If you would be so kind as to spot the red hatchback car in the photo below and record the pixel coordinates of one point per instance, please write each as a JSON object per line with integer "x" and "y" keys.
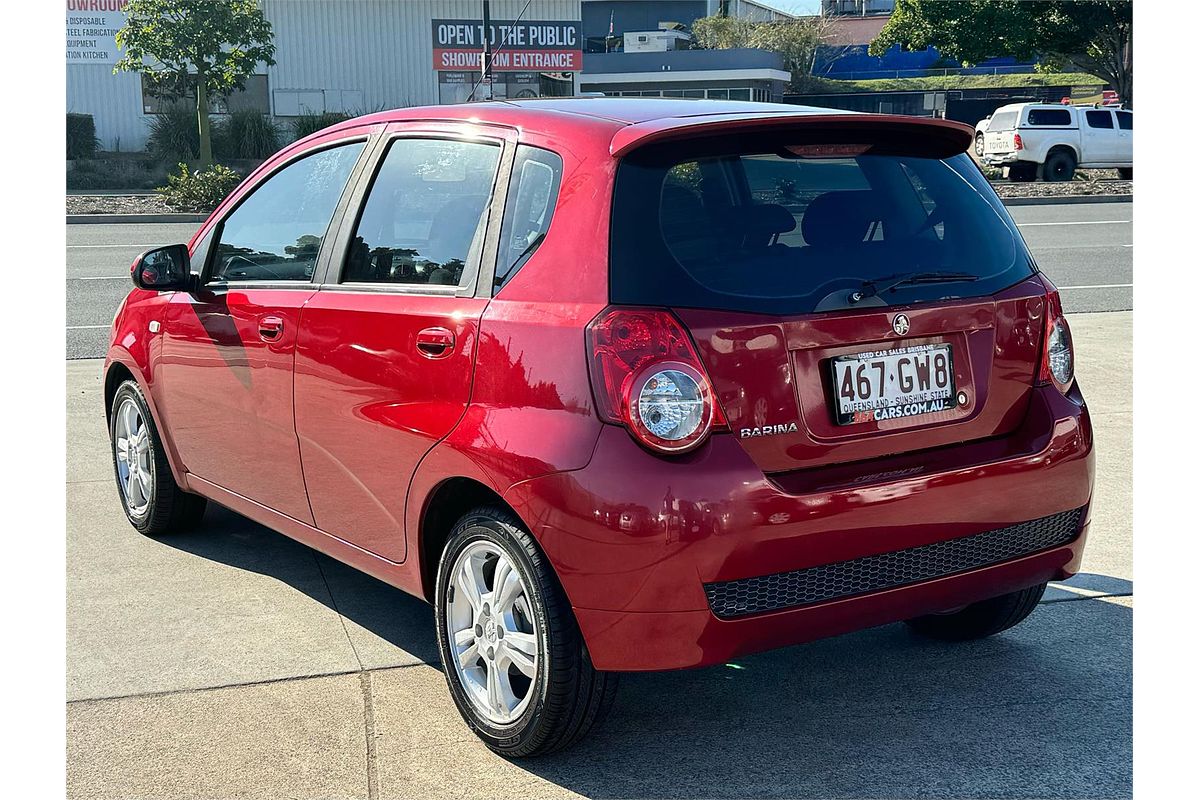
{"x": 618, "y": 385}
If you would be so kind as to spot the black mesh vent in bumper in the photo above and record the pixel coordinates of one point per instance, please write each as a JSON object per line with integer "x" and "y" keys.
{"x": 888, "y": 570}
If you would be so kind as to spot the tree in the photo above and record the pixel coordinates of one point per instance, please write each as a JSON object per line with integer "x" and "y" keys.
{"x": 796, "y": 40}
{"x": 1092, "y": 35}
{"x": 200, "y": 48}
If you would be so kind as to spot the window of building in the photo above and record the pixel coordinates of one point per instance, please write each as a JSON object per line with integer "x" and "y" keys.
{"x": 718, "y": 94}
{"x": 424, "y": 217}
{"x": 276, "y": 233}
{"x": 254, "y": 97}
{"x": 739, "y": 94}
{"x": 1125, "y": 120}
{"x": 1049, "y": 117}
{"x": 1099, "y": 118}
{"x": 532, "y": 195}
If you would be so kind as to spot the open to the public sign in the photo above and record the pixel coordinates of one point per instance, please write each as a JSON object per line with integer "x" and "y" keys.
{"x": 890, "y": 384}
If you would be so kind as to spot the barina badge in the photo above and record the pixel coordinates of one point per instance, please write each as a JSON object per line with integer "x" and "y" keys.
{"x": 900, "y": 324}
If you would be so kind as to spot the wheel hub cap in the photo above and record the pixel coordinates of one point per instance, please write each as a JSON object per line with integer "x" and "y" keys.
{"x": 489, "y": 623}
{"x": 131, "y": 445}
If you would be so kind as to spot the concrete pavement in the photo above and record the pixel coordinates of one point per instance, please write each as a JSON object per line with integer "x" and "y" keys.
{"x": 234, "y": 662}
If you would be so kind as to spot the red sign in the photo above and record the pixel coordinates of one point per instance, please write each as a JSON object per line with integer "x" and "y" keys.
{"x": 524, "y": 46}
{"x": 511, "y": 60}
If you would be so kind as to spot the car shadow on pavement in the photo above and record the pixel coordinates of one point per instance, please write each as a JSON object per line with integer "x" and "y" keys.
{"x": 396, "y": 617}
{"x": 1042, "y": 710}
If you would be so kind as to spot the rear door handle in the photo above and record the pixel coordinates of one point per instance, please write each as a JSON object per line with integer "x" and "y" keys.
{"x": 435, "y": 342}
{"x": 270, "y": 328}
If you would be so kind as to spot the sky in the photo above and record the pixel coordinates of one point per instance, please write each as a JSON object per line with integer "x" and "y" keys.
{"x": 798, "y": 7}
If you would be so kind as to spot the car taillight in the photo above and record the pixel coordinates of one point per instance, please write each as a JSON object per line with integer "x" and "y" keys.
{"x": 1017, "y": 143}
{"x": 647, "y": 376}
{"x": 1058, "y": 354}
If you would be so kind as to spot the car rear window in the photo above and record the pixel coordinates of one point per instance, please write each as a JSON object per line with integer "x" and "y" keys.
{"x": 1003, "y": 121}
{"x": 1049, "y": 117}
{"x": 770, "y": 232}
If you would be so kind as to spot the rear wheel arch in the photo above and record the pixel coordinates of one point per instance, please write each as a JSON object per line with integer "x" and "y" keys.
{"x": 444, "y": 507}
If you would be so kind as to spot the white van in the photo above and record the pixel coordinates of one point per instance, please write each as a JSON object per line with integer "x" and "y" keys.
{"x": 1055, "y": 140}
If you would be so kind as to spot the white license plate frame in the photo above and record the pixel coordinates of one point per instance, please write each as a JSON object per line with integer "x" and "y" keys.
{"x": 892, "y": 402}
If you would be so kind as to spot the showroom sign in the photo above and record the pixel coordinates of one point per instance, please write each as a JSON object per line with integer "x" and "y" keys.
{"x": 92, "y": 27}
{"x": 536, "y": 45}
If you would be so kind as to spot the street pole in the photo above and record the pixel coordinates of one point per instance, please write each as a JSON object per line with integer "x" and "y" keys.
{"x": 486, "y": 65}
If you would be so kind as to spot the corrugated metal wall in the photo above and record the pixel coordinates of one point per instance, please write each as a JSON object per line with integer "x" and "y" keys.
{"x": 373, "y": 53}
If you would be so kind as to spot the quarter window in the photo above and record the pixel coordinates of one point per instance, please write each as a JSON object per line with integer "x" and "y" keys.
{"x": 424, "y": 218}
{"x": 532, "y": 195}
{"x": 276, "y": 233}
{"x": 1099, "y": 119}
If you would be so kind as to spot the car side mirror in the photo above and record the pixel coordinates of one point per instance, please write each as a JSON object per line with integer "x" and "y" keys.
{"x": 164, "y": 269}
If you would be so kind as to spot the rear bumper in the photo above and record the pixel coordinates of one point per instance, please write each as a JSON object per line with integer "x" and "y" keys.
{"x": 1005, "y": 159}
{"x": 635, "y": 538}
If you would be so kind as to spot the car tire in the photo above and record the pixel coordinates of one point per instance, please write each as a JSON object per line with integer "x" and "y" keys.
{"x": 1059, "y": 166}
{"x": 1022, "y": 172}
{"x": 566, "y": 696}
{"x": 153, "y": 502}
{"x": 979, "y": 145}
{"x": 981, "y": 619}
{"x": 1126, "y": 173}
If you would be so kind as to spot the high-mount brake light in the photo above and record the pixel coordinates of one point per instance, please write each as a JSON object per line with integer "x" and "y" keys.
{"x": 1058, "y": 351}
{"x": 647, "y": 376}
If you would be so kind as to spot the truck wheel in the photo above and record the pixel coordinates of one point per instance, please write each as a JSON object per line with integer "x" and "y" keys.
{"x": 980, "y": 619}
{"x": 512, "y": 653}
{"x": 1059, "y": 166}
{"x": 1126, "y": 173}
{"x": 1022, "y": 172}
{"x": 979, "y": 145}
{"x": 153, "y": 502}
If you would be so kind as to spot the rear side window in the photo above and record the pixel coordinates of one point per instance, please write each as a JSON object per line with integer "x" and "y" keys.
{"x": 1051, "y": 117}
{"x": 1099, "y": 119}
{"x": 1003, "y": 121}
{"x": 1125, "y": 120}
{"x": 424, "y": 217}
{"x": 773, "y": 233}
{"x": 532, "y": 195}
{"x": 276, "y": 233}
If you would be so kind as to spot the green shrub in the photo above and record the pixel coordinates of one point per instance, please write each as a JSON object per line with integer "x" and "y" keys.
{"x": 200, "y": 191}
{"x": 246, "y": 134}
{"x": 81, "y": 136}
{"x": 114, "y": 174}
{"x": 174, "y": 134}
{"x": 311, "y": 123}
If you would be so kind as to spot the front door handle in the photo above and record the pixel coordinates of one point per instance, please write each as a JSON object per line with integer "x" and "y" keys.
{"x": 270, "y": 328}
{"x": 435, "y": 342}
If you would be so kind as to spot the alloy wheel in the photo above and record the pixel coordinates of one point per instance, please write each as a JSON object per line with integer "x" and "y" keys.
{"x": 490, "y": 628}
{"x": 131, "y": 444}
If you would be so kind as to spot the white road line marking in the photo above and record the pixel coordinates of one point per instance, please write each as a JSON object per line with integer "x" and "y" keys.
{"x": 1082, "y": 222}
{"x": 86, "y": 327}
{"x": 126, "y": 246}
{"x": 100, "y": 278}
{"x": 1101, "y": 286}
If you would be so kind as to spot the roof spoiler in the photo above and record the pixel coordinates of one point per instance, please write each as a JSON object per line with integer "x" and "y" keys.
{"x": 938, "y": 138}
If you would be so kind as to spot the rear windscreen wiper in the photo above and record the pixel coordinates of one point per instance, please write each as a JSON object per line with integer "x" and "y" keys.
{"x": 878, "y": 286}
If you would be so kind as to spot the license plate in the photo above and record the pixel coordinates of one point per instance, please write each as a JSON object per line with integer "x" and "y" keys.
{"x": 888, "y": 384}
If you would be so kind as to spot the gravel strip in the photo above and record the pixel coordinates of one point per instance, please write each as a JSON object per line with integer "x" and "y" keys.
{"x": 152, "y": 204}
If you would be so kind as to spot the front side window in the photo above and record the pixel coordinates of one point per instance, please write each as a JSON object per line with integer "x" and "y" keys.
{"x": 1125, "y": 120}
{"x": 276, "y": 233}
{"x": 532, "y": 194}
{"x": 425, "y": 215}
{"x": 1099, "y": 119}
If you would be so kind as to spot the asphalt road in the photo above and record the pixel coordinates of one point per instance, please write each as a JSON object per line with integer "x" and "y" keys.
{"x": 234, "y": 662}
{"x": 1086, "y": 249}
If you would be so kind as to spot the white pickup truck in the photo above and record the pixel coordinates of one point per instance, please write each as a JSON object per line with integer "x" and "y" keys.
{"x": 1054, "y": 140}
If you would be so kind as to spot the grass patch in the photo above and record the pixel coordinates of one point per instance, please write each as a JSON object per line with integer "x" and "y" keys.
{"x": 814, "y": 85}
